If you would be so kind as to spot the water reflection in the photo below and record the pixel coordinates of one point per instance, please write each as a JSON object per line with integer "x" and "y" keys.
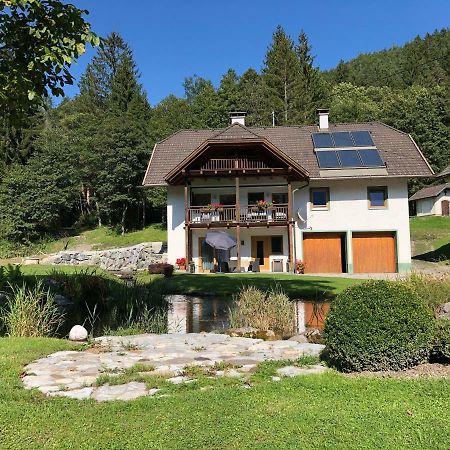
{"x": 193, "y": 314}
{"x": 189, "y": 314}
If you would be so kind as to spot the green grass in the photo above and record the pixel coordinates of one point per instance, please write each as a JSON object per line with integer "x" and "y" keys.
{"x": 324, "y": 411}
{"x": 295, "y": 286}
{"x": 98, "y": 239}
{"x": 223, "y": 285}
{"x": 431, "y": 238}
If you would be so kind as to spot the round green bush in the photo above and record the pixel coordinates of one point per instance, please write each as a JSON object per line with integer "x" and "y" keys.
{"x": 378, "y": 325}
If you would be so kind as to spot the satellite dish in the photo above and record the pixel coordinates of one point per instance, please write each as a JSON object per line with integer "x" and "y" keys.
{"x": 300, "y": 216}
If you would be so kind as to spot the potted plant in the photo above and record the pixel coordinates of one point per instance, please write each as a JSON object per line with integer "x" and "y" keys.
{"x": 263, "y": 205}
{"x": 299, "y": 266}
{"x": 181, "y": 263}
{"x": 213, "y": 207}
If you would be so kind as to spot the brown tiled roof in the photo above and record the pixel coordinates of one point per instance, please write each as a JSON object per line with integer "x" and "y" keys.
{"x": 431, "y": 191}
{"x": 403, "y": 158}
{"x": 444, "y": 173}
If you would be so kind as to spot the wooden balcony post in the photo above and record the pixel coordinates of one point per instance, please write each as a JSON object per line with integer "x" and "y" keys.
{"x": 238, "y": 228}
{"x": 290, "y": 228}
{"x": 186, "y": 222}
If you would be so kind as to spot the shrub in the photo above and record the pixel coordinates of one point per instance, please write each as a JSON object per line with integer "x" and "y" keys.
{"x": 378, "y": 325}
{"x": 31, "y": 312}
{"x": 161, "y": 268}
{"x": 271, "y": 310}
{"x": 441, "y": 341}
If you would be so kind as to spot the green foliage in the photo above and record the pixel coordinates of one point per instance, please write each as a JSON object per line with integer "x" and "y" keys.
{"x": 40, "y": 41}
{"x": 10, "y": 276}
{"x": 271, "y": 310}
{"x": 30, "y": 312}
{"x": 378, "y": 325}
{"x": 433, "y": 290}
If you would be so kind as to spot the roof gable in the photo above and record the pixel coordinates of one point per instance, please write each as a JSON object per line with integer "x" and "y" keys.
{"x": 235, "y": 131}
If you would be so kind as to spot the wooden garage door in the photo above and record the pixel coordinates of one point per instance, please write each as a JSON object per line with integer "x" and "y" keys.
{"x": 374, "y": 252}
{"x": 322, "y": 252}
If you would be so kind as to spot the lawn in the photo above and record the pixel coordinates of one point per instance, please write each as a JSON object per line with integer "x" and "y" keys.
{"x": 222, "y": 285}
{"x": 315, "y": 411}
{"x": 431, "y": 238}
{"x": 296, "y": 286}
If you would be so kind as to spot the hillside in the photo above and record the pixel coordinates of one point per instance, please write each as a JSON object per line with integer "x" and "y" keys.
{"x": 423, "y": 61}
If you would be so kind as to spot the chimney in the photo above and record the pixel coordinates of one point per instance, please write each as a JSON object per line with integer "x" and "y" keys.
{"x": 323, "y": 119}
{"x": 238, "y": 117}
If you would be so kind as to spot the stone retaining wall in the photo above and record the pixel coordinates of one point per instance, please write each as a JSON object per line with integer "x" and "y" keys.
{"x": 137, "y": 257}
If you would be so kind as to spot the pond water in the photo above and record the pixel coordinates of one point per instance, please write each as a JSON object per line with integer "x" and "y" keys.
{"x": 194, "y": 314}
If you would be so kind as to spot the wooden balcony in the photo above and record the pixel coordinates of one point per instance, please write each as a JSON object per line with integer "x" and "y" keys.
{"x": 249, "y": 214}
{"x": 218, "y": 164}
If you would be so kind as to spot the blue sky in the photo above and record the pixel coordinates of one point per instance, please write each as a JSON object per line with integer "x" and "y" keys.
{"x": 173, "y": 39}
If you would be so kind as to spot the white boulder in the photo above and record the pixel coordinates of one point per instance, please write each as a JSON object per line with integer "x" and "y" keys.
{"x": 78, "y": 333}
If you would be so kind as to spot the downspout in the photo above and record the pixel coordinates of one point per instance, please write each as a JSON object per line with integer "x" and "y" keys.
{"x": 293, "y": 201}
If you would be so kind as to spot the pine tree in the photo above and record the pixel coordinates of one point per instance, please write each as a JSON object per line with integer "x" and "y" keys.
{"x": 280, "y": 75}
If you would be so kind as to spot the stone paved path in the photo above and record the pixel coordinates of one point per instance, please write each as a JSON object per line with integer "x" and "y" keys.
{"x": 73, "y": 374}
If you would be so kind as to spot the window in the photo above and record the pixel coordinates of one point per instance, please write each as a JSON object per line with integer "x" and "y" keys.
{"x": 320, "y": 198}
{"x": 254, "y": 197}
{"x": 377, "y": 197}
{"x": 227, "y": 199}
{"x": 277, "y": 245}
{"x": 280, "y": 198}
{"x": 198, "y": 199}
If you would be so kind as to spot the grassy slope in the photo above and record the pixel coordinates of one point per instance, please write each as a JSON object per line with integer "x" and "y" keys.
{"x": 329, "y": 411}
{"x": 431, "y": 235}
{"x": 97, "y": 239}
{"x": 103, "y": 238}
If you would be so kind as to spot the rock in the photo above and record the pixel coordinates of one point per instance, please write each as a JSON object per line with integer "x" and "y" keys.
{"x": 443, "y": 311}
{"x": 60, "y": 300}
{"x": 242, "y": 332}
{"x": 314, "y": 336}
{"x": 276, "y": 378}
{"x": 293, "y": 371}
{"x": 301, "y": 338}
{"x": 78, "y": 333}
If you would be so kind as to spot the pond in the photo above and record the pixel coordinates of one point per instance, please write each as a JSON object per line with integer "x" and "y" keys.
{"x": 194, "y": 314}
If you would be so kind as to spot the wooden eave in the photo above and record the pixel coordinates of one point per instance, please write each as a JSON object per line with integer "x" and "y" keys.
{"x": 178, "y": 174}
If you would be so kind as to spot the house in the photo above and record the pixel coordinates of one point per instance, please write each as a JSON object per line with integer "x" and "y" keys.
{"x": 333, "y": 196}
{"x": 432, "y": 200}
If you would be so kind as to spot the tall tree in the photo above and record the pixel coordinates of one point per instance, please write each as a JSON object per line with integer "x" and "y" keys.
{"x": 280, "y": 75}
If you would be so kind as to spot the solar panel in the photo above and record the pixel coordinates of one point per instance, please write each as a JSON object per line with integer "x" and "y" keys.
{"x": 362, "y": 139}
{"x": 322, "y": 140}
{"x": 328, "y": 160}
{"x": 342, "y": 139}
{"x": 349, "y": 158}
{"x": 371, "y": 158}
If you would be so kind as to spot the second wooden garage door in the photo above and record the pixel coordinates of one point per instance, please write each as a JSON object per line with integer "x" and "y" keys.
{"x": 374, "y": 253}
{"x": 322, "y": 252}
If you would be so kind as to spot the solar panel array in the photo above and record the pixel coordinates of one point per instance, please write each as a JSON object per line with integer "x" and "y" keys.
{"x": 346, "y": 149}
{"x": 343, "y": 139}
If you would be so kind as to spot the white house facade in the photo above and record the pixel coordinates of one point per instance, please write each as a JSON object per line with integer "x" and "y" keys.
{"x": 325, "y": 199}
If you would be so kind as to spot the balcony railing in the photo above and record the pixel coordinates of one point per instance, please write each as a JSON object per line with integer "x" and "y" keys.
{"x": 229, "y": 164}
{"x": 248, "y": 214}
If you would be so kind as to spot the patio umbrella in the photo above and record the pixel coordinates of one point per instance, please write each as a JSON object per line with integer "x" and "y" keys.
{"x": 220, "y": 240}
